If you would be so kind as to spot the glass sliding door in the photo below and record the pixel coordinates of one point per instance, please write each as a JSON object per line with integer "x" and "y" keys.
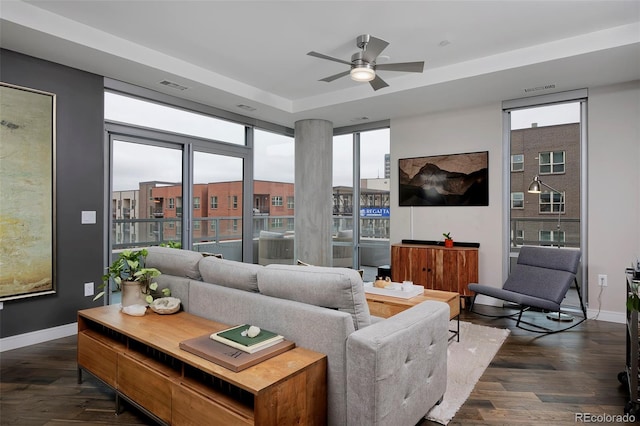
{"x": 273, "y": 204}
{"x": 361, "y": 216}
{"x": 343, "y": 201}
{"x": 217, "y": 194}
{"x": 374, "y": 205}
{"x": 146, "y": 196}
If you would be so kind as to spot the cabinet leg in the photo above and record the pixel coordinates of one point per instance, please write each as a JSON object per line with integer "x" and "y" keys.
{"x": 79, "y": 375}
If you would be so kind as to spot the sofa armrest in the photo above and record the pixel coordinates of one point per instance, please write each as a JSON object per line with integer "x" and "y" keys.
{"x": 397, "y": 368}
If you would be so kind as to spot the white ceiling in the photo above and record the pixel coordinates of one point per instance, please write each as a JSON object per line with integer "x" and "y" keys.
{"x": 255, "y": 52}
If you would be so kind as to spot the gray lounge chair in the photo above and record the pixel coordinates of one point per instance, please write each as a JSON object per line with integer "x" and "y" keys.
{"x": 540, "y": 279}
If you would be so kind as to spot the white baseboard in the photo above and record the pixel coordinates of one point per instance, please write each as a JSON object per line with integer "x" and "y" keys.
{"x": 609, "y": 316}
{"x": 34, "y": 337}
{"x": 592, "y": 314}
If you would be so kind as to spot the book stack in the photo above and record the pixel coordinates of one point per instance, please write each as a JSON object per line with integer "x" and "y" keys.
{"x": 237, "y": 337}
{"x": 230, "y": 349}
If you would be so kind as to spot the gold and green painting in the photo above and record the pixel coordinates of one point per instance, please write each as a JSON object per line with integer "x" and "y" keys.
{"x": 27, "y": 198}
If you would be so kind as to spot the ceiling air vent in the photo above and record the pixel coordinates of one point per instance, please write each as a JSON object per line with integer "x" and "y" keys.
{"x": 538, "y": 88}
{"x": 173, "y": 85}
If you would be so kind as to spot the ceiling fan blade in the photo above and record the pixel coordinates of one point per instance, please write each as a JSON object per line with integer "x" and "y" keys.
{"x": 375, "y": 46}
{"x": 402, "y": 66}
{"x": 335, "y": 76}
{"x": 330, "y": 58}
{"x": 378, "y": 83}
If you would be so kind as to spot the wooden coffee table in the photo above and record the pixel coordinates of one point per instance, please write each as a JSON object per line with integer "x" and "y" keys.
{"x": 386, "y": 306}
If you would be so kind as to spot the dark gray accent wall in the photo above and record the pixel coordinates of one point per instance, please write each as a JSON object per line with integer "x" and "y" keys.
{"x": 80, "y": 185}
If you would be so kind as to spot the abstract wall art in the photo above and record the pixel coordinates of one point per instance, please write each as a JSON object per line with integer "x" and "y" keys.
{"x": 27, "y": 192}
{"x": 445, "y": 180}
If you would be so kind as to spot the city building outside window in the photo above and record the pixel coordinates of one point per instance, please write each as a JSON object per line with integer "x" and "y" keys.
{"x": 517, "y": 162}
{"x": 172, "y": 203}
{"x": 290, "y": 204}
{"x": 235, "y": 201}
{"x": 549, "y": 238}
{"x": 551, "y": 162}
{"x": 196, "y": 202}
{"x": 517, "y": 200}
{"x": 276, "y": 200}
{"x": 276, "y": 223}
{"x": 214, "y": 202}
{"x": 551, "y": 202}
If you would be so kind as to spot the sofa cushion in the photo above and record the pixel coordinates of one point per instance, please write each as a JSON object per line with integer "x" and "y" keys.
{"x": 229, "y": 273}
{"x": 177, "y": 262}
{"x": 334, "y": 288}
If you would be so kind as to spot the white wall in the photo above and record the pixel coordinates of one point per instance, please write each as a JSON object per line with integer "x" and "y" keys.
{"x": 460, "y": 131}
{"x": 613, "y": 188}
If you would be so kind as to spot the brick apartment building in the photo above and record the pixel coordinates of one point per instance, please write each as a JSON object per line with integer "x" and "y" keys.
{"x": 553, "y": 153}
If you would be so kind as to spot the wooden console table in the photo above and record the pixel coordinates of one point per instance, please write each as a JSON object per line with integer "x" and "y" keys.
{"x": 140, "y": 359}
{"x": 435, "y": 267}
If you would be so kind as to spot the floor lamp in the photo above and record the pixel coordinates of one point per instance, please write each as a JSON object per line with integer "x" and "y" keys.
{"x": 535, "y": 188}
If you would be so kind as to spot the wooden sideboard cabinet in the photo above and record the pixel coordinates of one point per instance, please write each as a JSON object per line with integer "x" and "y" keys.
{"x": 435, "y": 267}
{"x": 140, "y": 358}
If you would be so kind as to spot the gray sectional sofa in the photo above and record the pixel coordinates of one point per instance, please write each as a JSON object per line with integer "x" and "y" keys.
{"x": 379, "y": 372}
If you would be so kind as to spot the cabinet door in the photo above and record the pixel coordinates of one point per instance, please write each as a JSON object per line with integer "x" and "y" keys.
{"x": 147, "y": 383}
{"x": 195, "y": 405}
{"x": 409, "y": 263}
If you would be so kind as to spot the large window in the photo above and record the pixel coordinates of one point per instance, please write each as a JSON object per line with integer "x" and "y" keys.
{"x": 546, "y": 142}
{"x": 125, "y": 109}
{"x": 162, "y": 154}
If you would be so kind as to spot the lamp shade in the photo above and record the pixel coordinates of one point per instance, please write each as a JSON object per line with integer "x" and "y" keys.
{"x": 361, "y": 73}
{"x": 534, "y": 187}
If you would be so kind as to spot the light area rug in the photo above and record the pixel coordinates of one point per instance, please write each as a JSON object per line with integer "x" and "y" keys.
{"x": 466, "y": 362}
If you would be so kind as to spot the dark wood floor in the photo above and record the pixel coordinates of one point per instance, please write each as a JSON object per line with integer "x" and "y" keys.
{"x": 532, "y": 380}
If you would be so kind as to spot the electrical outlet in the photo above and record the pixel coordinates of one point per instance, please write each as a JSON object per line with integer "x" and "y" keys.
{"x": 88, "y": 289}
{"x": 602, "y": 280}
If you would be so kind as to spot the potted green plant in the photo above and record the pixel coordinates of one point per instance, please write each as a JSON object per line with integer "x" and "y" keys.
{"x": 130, "y": 275}
{"x": 448, "y": 241}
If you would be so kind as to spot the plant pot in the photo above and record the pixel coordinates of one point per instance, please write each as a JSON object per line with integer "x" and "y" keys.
{"x": 132, "y": 294}
{"x": 448, "y": 243}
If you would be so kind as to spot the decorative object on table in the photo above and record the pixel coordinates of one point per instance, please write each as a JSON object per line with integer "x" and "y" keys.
{"x": 407, "y": 285}
{"x": 136, "y": 310}
{"x": 394, "y": 290}
{"x": 636, "y": 268}
{"x": 448, "y": 241}
{"x": 27, "y": 192}
{"x": 246, "y": 338}
{"x": 382, "y": 282}
{"x": 128, "y": 273}
{"x": 444, "y": 180}
{"x": 165, "y": 305}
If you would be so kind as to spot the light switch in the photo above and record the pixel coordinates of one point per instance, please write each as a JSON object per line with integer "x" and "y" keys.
{"x": 88, "y": 217}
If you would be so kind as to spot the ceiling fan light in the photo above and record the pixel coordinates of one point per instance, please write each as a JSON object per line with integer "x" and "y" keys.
{"x": 362, "y": 74}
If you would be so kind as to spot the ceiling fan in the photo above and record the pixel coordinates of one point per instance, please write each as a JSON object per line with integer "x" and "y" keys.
{"x": 363, "y": 63}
